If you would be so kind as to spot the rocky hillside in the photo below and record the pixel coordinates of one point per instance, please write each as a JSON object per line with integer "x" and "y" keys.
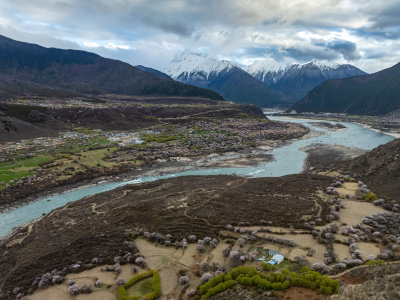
{"x": 380, "y": 282}
{"x": 374, "y": 94}
{"x": 27, "y": 69}
{"x": 224, "y": 77}
{"x": 293, "y": 82}
{"x": 380, "y": 169}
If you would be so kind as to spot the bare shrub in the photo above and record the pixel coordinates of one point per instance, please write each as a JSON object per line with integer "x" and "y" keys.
{"x": 206, "y": 277}
{"x": 184, "y": 280}
{"x": 73, "y": 289}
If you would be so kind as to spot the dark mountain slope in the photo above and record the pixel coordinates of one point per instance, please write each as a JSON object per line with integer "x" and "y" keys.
{"x": 233, "y": 84}
{"x": 25, "y": 66}
{"x": 153, "y": 71}
{"x": 380, "y": 169}
{"x": 374, "y": 94}
{"x": 239, "y": 86}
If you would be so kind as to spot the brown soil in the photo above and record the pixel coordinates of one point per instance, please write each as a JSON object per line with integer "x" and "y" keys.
{"x": 349, "y": 279}
{"x": 239, "y": 292}
{"x": 96, "y": 226}
{"x": 299, "y": 293}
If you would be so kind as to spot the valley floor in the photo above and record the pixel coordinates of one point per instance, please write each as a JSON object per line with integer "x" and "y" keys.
{"x": 192, "y": 132}
{"x": 198, "y": 227}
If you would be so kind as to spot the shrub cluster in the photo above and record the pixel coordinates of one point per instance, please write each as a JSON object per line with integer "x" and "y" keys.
{"x": 249, "y": 276}
{"x": 156, "y": 284}
{"x": 331, "y": 190}
{"x": 137, "y": 278}
{"x": 384, "y": 223}
{"x": 369, "y": 196}
{"x": 374, "y": 262}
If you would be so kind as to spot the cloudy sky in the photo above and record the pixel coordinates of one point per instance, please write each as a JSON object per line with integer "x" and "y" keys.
{"x": 151, "y": 32}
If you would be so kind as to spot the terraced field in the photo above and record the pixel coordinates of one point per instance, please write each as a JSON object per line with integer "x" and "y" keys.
{"x": 103, "y": 221}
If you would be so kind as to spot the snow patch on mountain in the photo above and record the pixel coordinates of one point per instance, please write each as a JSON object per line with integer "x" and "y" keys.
{"x": 190, "y": 62}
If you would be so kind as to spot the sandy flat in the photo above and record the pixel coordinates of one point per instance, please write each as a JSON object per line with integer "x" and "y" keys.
{"x": 155, "y": 256}
{"x": 342, "y": 251}
{"x": 368, "y": 249}
{"x": 169, "y": 280}
{"x": 186, "y": 259}
{"x": 355, "y": 211}
{"x": 217, "y": 256}
{"x": 100, "y": 295}
{"x": 89, "y": 276}
{"x": 58, "y": 292}
{"x": 348, "y": 188}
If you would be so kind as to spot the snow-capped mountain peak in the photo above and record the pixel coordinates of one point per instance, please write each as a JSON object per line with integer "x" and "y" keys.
{"x": 190, "y": 62}
{"x": 222, "y": 76}
{"x": 265, "y": 66}
{"x": 295, "y": 80}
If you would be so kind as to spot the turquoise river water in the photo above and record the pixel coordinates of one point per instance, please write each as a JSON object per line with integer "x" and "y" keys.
{"x": 288, "y": 159}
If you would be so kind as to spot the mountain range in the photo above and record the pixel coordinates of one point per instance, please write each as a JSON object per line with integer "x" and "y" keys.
{"x": 374, "y": 94}
{"x": 221, "y": 76}
{"x": 31, "y": 69}
{"x": 292, "y": 82}
{"x": 282, "y": 85}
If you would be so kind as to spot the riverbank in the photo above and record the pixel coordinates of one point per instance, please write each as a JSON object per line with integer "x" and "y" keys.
{"x": 393, "y": 134}
{"x": 96, "y": 155}
{"x": 196, "y": 143}
{"x": 250, "y": 157}
{"x": 250, "y": 162}
{"x": 244, "y": 158}
{"x": 374, "y": 123}
{"x": 322, "y": 157}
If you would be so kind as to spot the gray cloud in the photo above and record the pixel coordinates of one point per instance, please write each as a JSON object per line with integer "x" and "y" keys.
{"x": 346, "y": 48}
{"x": 364, "y": 33}
{"x": 300, "y": 53}
{"x": 310, "y": 53}
{"x": 384, "y": 16}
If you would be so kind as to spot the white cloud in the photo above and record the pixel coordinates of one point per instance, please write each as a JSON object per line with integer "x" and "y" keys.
{"x": 91, "y": 45}
{"x": 116, "y": 46}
